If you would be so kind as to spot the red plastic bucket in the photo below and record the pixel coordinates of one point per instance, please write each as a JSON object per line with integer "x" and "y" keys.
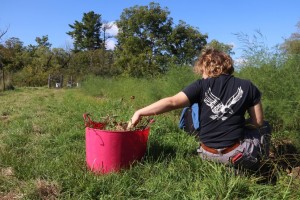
{"x": 110, "y": 151}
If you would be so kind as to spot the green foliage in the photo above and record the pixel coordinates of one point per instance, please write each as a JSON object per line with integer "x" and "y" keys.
{"x": 60, "y": 58}
{"x": 148, "y": 44}
{"x": 145, "y": 90}
{"x": 221, "y": 47}
{"x": 291, "y": 45}
{"x": 186, "y": 43}
{"x": 176, "y": 79}
{"x": 142, "y": 38}
{"x": 31, "y": 66}
{"x": 43, "y": 41}
{"x": 86, "y": 34}
{"x": 98, "y": 62}
{"x": 280, "y": 88}
{"x": 11, "y": 54}
{"x": 255, "y": 52}
{"x": 35, "y": 72}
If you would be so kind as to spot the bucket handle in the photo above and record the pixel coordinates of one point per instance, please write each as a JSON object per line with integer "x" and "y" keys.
{"x": 90, "y": 123}
{"x": 87, "y": 119}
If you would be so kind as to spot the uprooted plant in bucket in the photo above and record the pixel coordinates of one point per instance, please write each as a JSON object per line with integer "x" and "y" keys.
{"x": 110, "y": 123}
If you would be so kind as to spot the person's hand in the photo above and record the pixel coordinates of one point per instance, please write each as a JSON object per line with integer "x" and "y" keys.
{"x": 134, "y": 120}
{"x": 249, "y": 124}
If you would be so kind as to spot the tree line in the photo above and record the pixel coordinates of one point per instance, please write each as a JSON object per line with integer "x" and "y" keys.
{"x": 149, "y": 43}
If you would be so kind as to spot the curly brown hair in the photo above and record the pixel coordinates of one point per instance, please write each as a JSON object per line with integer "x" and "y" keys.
{"x": 214, "y": 62}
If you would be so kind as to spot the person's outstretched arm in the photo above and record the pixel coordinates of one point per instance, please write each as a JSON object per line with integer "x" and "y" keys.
{"x": 167, "y": 104}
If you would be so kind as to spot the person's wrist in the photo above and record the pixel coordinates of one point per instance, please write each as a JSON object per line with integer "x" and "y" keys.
{"x": 138, "y": 114}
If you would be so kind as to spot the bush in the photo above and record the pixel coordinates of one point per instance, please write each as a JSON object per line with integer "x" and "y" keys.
{"x": 280, "y": 87}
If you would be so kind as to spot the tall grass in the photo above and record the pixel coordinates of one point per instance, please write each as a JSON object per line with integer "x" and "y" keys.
{"x": 280, "y": 88}
{"x": 146, "y": 90}
{"x": 134, "y": 93}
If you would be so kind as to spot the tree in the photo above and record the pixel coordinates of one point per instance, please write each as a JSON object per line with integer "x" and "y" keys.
{"x": 37, "y": 63}
{"x": 2, "y": 33}
{"x": 13, "y": 51}
{"x": 292, "y": 44}
{"x": 11, "y": 60}
{"x": 43, "y": 42}
{"x": 86, "y": 34}
{"x": 227, "y": 48}
{"x": 186, "y": 42}
{"x": 143, "y": 39}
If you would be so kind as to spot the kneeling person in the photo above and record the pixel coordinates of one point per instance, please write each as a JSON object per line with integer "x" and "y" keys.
{"x": 223, "y": 101}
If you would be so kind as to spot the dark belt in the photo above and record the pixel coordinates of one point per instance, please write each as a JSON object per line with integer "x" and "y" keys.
{"x": 223, "y": 151}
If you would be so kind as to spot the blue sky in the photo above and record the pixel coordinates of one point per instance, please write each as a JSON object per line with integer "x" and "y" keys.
{"x": 220, "y": 19}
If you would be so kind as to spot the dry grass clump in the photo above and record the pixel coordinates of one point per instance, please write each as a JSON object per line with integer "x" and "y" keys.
{"x": 4, "y": 116}
{"x": 47, "y": 190}
{"x": 11, "y": 196}
{"x": 6, "y": 172}
{"x": 9, "y": 173}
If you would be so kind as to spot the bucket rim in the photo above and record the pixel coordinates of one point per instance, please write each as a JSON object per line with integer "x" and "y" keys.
{"x": 116, "y": 131}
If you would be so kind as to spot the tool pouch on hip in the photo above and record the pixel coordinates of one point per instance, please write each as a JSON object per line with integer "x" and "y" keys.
{"x": 246, "y": 161}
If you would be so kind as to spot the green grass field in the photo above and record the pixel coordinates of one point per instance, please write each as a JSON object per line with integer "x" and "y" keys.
{"x": 42, "y": 151}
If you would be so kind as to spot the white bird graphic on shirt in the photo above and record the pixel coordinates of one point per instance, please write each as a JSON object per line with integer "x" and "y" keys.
{"x": 217, "y": 107}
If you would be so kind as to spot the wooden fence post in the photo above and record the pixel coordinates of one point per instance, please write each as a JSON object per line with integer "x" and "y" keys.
{"x": 49, "y": 81}
{"x": 61, "y": 81}
{"x": 3, "y": 82}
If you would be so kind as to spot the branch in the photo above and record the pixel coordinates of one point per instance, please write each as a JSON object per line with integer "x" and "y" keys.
{"x": 2, "y": 33}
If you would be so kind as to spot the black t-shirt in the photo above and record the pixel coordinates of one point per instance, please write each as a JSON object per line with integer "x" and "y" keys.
{"x": 223, "y": 102}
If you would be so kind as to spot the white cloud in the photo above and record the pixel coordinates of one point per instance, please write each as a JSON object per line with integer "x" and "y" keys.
{"x": 110, "y": 44}
{"x": 113, "y": 30}
{"x": 239, "y": 61}
{"x": 233, "y": 44}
